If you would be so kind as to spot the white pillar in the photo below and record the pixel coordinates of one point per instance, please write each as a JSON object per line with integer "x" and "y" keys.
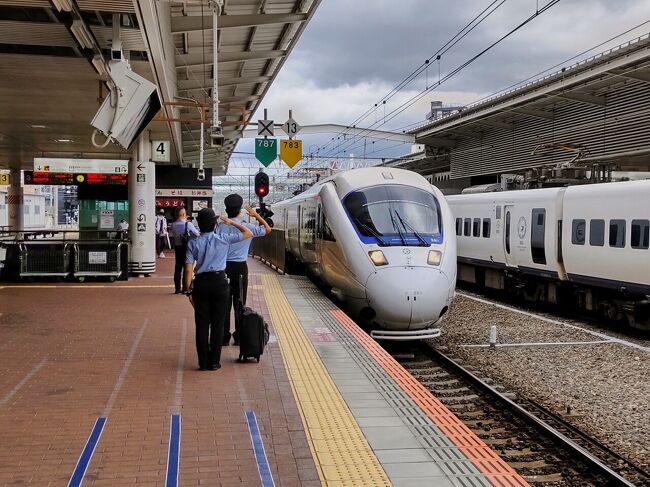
{"x": 142, "y": 209}
{"x": 15, "y": 202}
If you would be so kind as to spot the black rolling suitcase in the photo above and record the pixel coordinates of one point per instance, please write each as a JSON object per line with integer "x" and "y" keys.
{"x": 252, "y": 331}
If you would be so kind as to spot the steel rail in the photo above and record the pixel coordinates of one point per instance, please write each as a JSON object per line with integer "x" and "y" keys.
{"x": 600, "y": 468}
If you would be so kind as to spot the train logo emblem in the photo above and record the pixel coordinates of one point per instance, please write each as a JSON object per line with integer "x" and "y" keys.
{"x": 521, "y": 227}
{"x": 406, "y": 251}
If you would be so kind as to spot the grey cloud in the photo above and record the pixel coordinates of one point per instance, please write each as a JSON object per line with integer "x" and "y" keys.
{"x": 349, "y": 42}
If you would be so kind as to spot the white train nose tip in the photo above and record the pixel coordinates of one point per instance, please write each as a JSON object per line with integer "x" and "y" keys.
{"x": 407, "y": 298}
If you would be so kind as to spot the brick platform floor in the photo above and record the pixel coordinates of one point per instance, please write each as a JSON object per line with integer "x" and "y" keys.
{"x": 70, "y": 353}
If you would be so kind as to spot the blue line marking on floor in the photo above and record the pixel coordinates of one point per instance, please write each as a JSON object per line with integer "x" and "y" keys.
{"x": 258, "y": 448}
{"x": 174, "y": 451}
{"x": 87, "y": 453}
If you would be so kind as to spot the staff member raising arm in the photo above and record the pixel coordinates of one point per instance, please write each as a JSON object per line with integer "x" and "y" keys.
{"x": 209, "y": 296}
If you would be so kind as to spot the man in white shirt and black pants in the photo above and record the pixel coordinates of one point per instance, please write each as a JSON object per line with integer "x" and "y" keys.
{"x": 236, "y": 266}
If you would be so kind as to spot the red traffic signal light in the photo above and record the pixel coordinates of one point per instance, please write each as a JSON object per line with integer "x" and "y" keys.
{"x": 261, "y": 184}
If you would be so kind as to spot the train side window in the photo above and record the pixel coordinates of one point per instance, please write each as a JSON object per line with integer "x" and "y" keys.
{"x": 486, "y": 227}
{"x": 507, "y": 235}
{"x": 467, "y": 227}
{"x": 578, "y": 228}
{"x": 597, "y": 233}
{"x": 640, "y": 237}
{"x": 538, "y": 235}
{"x": 459, "y": 226}
{"x": 498, "y": 215}
{"x": 617, "y": 233}
{"x": 476, "y": 227}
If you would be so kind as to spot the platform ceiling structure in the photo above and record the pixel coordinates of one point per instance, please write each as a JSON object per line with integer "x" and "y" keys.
{"x": 598, "y": 106}
{"x": 50, "y": 91}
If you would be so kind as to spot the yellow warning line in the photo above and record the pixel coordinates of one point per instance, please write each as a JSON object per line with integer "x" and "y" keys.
{"x": 340, "y": 450}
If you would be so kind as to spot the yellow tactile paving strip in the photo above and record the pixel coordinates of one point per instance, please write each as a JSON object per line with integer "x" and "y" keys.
{"x": 340, "y": 450}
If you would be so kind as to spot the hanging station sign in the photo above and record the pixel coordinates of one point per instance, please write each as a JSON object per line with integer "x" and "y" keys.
{"x": 106, "y": 166}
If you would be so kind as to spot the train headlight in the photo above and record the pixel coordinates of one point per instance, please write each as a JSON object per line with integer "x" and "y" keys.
{"x": 435, "y": 256}
{"x": 377, "y": 257}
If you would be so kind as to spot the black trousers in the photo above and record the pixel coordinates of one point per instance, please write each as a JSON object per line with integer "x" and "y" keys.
{"x": 210, "y": 296}
{"x": 235, "y": 271}
{"x": 160, "y": 244}
{"x": 179, "y": 253}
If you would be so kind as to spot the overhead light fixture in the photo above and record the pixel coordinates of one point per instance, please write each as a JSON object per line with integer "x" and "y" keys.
{"x": 82, "y": 34}
{"x": 64, "y": 140}
{"x": 38, "y": 126}
{"x": 63, "y": 5}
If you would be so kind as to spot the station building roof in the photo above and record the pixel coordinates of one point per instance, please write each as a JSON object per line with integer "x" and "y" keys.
{"x": 597, "y": 106}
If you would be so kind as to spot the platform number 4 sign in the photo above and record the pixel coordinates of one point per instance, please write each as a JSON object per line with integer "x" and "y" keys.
{"x": 160, "y": 151}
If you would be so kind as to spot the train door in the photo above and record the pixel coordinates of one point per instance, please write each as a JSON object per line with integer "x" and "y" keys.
{"x": 508, "y": 229}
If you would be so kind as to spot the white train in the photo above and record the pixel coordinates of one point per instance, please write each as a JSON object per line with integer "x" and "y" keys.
{"x": 582, "y": 245}
{"x": 34, "y": 211}
{"x": 382, "y": 239}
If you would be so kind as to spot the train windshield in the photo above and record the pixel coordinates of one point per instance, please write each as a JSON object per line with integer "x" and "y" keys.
{"x": 395, "y": 215}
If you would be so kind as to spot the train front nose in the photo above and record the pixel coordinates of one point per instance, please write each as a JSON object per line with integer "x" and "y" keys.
{"x": 407, "y": 298}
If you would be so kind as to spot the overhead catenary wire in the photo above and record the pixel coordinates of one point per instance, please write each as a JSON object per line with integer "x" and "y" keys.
{"x": 414, "y": 99}
{"x": 475, "y": 22}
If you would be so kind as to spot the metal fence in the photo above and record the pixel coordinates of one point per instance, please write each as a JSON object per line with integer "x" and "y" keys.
{"x": 270, "y": 249}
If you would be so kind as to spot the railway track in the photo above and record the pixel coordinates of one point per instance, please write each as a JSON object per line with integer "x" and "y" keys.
{"x": 540, "y": 444}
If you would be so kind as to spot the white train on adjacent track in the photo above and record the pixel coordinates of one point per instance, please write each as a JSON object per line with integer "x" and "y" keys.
{"x": 382, "y": 240}
{"x": 582, "y": 245}
{"x": 33, "y": 211}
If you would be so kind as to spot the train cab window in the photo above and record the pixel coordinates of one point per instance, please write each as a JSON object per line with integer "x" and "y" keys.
{"x": 476, "y": 227}
{"x": 617, "y": 233}
{"x": 597, "y": 233}
{"x": 459, "y": 226}
{"x": 486, "y": 227}
{"x": 640, "y": 237}
{"x": 538, "y": 235}
{"x": 467, "y": 227}
{"x": 578, "y": 228}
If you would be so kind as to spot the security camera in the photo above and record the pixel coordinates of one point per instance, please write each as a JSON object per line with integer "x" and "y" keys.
{"x": 131, "y": 105}
{"x": 216, "y": 137}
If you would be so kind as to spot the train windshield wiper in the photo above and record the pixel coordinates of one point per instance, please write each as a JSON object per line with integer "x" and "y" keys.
{"x": 396, "y": 226}
{"x": 405, "y": 224}
{"x": 382, "y": 242}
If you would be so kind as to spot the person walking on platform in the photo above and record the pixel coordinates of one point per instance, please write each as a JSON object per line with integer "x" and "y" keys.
{"x": 161, "y": 233}
{"x": 122, "y": 230}
{"x": 181, "y": 232}
{"x": 236, "y": 266}
{"x": 209, "y": 295}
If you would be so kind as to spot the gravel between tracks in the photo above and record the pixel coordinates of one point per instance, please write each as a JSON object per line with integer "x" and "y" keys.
{"x": 606, "y": 385}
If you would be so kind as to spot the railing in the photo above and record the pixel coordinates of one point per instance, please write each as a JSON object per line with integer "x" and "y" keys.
{"x": 270, "y": 249}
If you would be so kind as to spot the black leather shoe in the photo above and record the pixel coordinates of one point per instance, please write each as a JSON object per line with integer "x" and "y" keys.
{"x": 215, "y": 367}
{"x": 178, "y": 292}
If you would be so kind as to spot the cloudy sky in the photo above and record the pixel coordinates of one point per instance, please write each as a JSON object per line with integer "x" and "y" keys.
{"x": 355, "y": 51}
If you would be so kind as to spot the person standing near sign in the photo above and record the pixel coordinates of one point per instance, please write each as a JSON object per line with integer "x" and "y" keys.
{"x": 236, "y": 266}
{"x": 209, "y": 295}
{"x": 181, "y": 232}
{"x": 161, "y": 233}
{"x": 122, "y": 229}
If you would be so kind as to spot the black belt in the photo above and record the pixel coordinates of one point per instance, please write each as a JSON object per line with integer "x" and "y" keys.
{"x": 211, "y": 273}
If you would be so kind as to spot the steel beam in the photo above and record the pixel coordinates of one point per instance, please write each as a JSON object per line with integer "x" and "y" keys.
{"x": 192, "y": 84}
{"x": 532, "y": 112}
{"x": 195, "y": 59}
{"x": 251, "y": 132}
{"x": 582, "y": 98}
{"x": 197, "y": 23}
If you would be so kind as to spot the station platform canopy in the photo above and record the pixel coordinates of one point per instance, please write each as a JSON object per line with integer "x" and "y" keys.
{"x": 596, "y": 107}
{"x": 50, "y": 89}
